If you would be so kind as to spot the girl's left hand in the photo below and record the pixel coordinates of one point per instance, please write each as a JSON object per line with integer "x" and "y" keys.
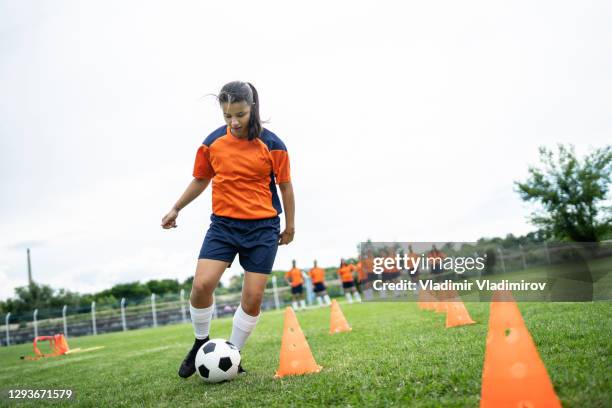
{"x": 286, "y": 237}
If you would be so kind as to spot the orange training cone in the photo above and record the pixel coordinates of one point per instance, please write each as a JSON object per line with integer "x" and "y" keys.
{"x": 440, "y": 306}
{"x": 429, "y": 304}
{"x": 425, "y": 300}
{"x": 295, "y": 355}
{"x": 58, "y": 344}
{"x": 61, "y": 345}
{"x": 337, "y": 322}
{"x": 457, "y": 314}
{"x": 513, "y": 374}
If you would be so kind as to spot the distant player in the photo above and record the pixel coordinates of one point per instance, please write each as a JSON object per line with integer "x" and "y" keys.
{"x": 244, "y": 162}
{"x": 362, "y": 277}
{"x": 368, "y": 270}
{"x": 317, "y": 275}
{"x": 391, "y": 273}
{"x": 294, "y": 278}
{"x": 345, "y": 272}
{"x": 413, "y": 271}
{"x": 435, "y": 258}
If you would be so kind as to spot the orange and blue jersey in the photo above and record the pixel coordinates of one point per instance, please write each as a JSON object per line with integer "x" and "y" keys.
{"x": 317, "y": 275}
{"x": 346, "y": 273}
{"x": 244, "y": 173}
{"x": 368, "y": 265}
{"x": 294, "y": 275}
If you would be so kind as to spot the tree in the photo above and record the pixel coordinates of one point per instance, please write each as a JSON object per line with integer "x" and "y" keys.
{"x": 163, "y": 286}
{"x": 571, "y": 192}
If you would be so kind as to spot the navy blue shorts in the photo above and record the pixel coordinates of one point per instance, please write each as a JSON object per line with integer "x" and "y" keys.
{"x": 347, "y": 285}
{"x": 297, "y": 290}
{"x": 255, "y": 242}
{"x": 319, "y": 287}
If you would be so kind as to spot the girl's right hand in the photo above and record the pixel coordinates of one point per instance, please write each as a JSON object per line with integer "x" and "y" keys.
{"x": 169, "y": 220}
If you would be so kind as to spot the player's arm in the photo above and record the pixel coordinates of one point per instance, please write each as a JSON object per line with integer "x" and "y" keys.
{"x": 289, "y": 206}
{"x": 193, "y": 190}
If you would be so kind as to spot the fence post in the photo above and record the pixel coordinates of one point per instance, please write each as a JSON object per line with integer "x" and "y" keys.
{"x": 309, "y": 291}
{"x": 8, "y": 330}
{"x": 547, "y": 252}
{"x": 93, "y": 318}
{"x": 35, "y": 321}
{"x": 501, "y": 256}
{"x": 123, "y": 314}
{"x": 523, "y": 256}
{"x": 64, "y": 319}
{"x": 153, "y": 311}
{"x": 275, "y": 291}
{"x": 183, "y": 312}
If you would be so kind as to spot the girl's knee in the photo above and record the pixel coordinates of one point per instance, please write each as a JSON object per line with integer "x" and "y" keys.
{"x": 203, "y": 287}
{"x": 251, "y": 303}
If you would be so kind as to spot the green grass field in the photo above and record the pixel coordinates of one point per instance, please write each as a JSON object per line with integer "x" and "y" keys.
{"x": 396, "y": 355}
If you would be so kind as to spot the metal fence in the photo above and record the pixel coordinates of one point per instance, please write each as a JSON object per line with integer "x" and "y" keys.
{"x": 173, "y": 308}
{"x": 125, "y": 315}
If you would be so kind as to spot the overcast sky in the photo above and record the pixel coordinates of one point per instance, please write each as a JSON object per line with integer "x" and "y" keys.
{"x": 405, "y": 121}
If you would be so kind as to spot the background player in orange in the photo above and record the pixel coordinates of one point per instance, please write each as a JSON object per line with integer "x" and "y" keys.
{"x": 345, "y": 272}
{"x": 435, "y": 258}
{"x": 245, "y": 161}
{"x": 413, "y": 272}
{"x": 368, "y": 270}
{"x": 390, "y": 273}
{"x": 294, "y": 278}
{"x": 362, "y": 278}
{"x": 317, "y": 275}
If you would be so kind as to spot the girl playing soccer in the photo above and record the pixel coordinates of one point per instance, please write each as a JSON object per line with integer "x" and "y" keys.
{"x": 244, "y": 161}
{"x": 345, "y": 272}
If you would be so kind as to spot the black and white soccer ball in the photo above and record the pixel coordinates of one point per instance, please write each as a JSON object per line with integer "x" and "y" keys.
{"x": 217, "y": 360}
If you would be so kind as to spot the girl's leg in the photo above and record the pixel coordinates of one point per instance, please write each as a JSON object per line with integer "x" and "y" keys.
{"x": 303, "y": 301}
{"x": 326, "y": 298}
{"x": 356, "y": 295}
{"x": 347, "y": 295}
{"x": 247, "y": 314}
{"x": 208, "y": 273}
{"x": 294, "y": 302}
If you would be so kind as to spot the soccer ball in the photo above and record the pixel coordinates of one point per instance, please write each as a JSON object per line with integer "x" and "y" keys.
{"x": 217, "y": 360}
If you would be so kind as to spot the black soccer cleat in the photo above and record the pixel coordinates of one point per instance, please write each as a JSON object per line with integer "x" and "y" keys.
{"x": 187, "y": 368}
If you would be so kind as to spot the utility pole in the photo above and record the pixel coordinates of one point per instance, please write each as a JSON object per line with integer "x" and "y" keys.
{"x": 29, "y": 269}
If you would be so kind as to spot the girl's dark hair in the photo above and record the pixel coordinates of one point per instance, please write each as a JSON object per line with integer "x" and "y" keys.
{"x": 238, "y": 91}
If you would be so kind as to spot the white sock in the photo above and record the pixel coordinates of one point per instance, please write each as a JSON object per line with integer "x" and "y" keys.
{"x": 242, "y": 327}
{"x": 303, "y": 304}
{"x": 294, "y": 304}
{"x": 357, "y": 296}
{"x": 348, "y": 297}
{"x": 200, "y": 318}
{"x": 327, "y": 300}
{"x": 319, "y": 301}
